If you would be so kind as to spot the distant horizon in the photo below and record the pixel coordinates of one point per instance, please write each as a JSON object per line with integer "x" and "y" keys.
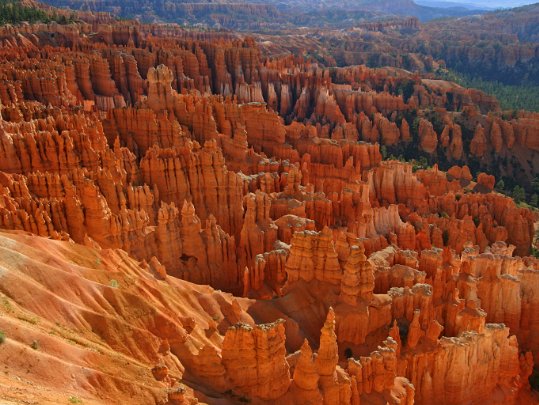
{"x": 481, "y": 3}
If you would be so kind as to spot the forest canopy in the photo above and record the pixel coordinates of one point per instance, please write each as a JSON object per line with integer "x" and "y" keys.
{"x": 14, "y": 12}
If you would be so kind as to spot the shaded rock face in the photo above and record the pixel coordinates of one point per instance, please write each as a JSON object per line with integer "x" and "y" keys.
{"x": 162, "y": 167}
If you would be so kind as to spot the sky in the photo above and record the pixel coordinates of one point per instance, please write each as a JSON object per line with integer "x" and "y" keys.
{"x": 489, "y": 3}
{"x": 502, "y": 3}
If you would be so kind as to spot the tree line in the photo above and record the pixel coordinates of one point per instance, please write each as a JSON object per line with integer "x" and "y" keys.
{"x": 14, "y": 12}
{"x": 511, "y": 97}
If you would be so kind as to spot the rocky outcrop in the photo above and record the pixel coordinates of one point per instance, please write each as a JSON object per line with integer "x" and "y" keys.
{"x": 358, "y": 278}
{"x": 478, "y": 145}
{"x": 254, "y": 360}
{"x": 428, "y": 138}
{"x": 491, "y": 373}
{"x": 313, "y": 257}
{"x": 193, "y": 173}
{"x": 306, "y": 378}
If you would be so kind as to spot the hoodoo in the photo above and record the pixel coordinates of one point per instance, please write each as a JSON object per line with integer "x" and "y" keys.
{"x": 194, "y": 215}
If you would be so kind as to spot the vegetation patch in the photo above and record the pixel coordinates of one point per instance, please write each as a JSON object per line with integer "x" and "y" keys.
{"x": 14, "y": 12}
{"x": 511, "y": 97}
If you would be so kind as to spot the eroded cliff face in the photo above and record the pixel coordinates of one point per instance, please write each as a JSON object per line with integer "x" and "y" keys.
{"x": 181, "y": 164}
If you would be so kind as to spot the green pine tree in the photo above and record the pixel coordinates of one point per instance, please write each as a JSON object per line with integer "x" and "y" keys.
{"x": 518, "y": 194}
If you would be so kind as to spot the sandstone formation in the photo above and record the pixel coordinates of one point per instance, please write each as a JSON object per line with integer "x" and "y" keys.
{"x": 207, "y": 224}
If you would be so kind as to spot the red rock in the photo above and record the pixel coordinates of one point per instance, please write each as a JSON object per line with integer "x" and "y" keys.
{"x": 262, "y": 176}
{"x": 427, "y": 136}
{"x": 312, "y": 256}
{"x": 455, "y": 150}
{"x": 486, "y": 180}
{"x": 478, "y": 145}
{"x": 254, "y": 360}
{"x": 405, "y": 131}
{"x": 496, "y": 137}
{"x": 358, "y": 279}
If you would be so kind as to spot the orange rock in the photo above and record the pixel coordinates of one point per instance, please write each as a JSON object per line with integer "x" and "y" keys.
{"x": 306, "y": 377}
{"x": 486, "y": 181}
{"x": 313, "y": 256}
{"x": 405, "y": 131}
{"x": 455, "y": 151}
{"x": 206, "y": 162}
{"x": 427, "y": 136}
{"x": 254, "y": 360}
{"x": 478, "y": 145}
{"x": 358, "y": 279}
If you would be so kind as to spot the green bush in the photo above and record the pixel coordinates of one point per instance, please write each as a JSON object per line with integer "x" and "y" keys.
{"x": 2, "y": 337}
{"x": 500, "y": 186}
{"x": 518, "y": 194}
{"x": 535, "y": 184}
{"x": 383, "y": 152}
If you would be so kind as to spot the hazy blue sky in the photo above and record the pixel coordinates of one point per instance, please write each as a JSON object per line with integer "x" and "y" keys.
{"x": 489, "y": 3}
{"x": 505, "y": 3}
